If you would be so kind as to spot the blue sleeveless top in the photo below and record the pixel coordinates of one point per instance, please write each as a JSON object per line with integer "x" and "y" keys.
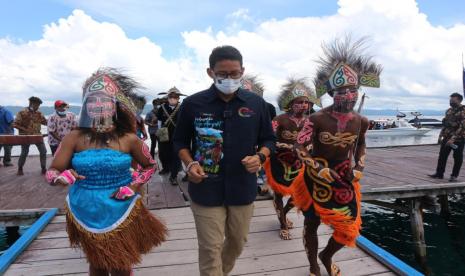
{"x": 89, "y": 200}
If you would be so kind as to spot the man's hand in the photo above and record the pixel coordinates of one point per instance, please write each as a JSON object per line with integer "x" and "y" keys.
{"x": 252, "y": 163}
{"x": 449, "y": 142}
{"x": 196, "y": 174}
{"x": 329, "y": 175}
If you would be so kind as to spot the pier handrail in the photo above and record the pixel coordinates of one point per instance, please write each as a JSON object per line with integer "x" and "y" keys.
{"x": 386, "y": 258}
{"x": 21, "y": 244}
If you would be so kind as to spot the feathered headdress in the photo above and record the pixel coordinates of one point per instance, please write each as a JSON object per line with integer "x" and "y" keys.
{"x": 295, "y": 88}
{"x": 252, "y": 83}
{"x": 126, "y": 90}
{"x": 140, "y": 102}
{"x": 345, "y": 64}
{"x": 103, "y": 92}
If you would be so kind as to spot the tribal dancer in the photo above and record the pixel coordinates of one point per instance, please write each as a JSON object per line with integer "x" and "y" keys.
{"x": 328, "y": 188}
{"x": 284, "y": 165}
{"x": 105, "y": 216}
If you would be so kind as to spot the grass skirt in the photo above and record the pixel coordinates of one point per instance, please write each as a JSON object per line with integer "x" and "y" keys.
{"x": 122, "y": 247}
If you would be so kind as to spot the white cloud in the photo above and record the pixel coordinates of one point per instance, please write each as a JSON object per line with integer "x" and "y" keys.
{"x": 55, "y": 66}
{"x": 421, "y": 62}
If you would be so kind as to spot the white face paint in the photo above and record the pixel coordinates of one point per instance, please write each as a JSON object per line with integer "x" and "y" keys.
{"x": 228, "y": 86}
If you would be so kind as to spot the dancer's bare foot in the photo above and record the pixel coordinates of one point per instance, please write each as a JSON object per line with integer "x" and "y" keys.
{"x": 331, "y": 268}
{"x": 285, "y": 234}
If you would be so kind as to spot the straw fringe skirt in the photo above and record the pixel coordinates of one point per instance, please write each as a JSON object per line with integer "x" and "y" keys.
{"x": 122, "y": 247}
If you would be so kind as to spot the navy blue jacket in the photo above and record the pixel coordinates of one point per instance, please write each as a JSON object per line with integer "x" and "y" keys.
{"x": 219, "y": 135}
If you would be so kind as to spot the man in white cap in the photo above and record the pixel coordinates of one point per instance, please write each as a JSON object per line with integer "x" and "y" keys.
{"x": 59, "y": 124}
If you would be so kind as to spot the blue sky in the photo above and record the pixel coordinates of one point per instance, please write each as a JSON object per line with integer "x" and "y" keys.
{"x": 51, "y": 46}
{"x": 24, "y": 19}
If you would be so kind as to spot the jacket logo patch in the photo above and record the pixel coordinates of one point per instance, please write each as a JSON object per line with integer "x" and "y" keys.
{"x": 245, "y": 112}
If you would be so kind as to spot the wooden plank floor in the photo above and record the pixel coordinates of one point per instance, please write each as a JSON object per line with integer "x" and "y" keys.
{"x": 265, "y": 253}
{"x": 386, "y": 168}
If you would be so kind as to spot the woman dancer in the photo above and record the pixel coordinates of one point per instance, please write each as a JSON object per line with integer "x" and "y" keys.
{"x": 104, "y": 211}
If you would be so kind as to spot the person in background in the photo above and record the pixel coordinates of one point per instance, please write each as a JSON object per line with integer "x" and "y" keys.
{"x": 168, "y": 117}
{"x": 223, "y": 136}
{"x": 284, "y": 165}
{"x": 28, "y": 122}
{"x": 140, "y": 102}
{"x": 452, "y": 137}
{"x": 6, "y": 128}
{"x": 59, "y": 124}
{"x": 151, "y": 121}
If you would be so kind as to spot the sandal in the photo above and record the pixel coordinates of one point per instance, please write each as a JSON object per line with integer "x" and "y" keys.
{"x": 284, "y": 234}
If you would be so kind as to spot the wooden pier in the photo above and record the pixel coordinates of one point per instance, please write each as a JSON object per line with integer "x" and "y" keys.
{"x": 264, "y": 254}
{"x": 391, "y": 173}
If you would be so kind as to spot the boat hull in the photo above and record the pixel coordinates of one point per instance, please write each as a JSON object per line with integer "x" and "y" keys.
{"x": 397, "y": 132}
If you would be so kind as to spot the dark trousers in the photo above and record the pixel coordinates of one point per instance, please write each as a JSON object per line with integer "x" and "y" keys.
{"x": 53, "y": 149}
{"x": 444, "y": 154}
{"x": 168, "y": 158}
{"x": 25, "y": 151}
{"x": 6, "y": 153}
{"x": 153, "y": 145}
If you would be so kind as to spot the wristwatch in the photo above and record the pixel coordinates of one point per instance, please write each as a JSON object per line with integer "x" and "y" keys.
{"x": 262, "y": 157}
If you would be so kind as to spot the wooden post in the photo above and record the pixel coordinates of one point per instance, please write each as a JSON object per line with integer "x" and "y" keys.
{"x": 444, "y": 201}
{"x": 418, "y": 231}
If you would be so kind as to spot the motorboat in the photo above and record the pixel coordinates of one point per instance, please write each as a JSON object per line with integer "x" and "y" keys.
{"x": 394, "y": 127}
{"x": 426, "y": 122}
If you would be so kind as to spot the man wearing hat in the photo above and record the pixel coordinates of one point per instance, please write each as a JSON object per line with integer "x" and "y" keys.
{"x": 28, "y": 122}
{"x": 168, "y": 115}
{"x": 59, "y": 124}
{"x": 151, "y": 121}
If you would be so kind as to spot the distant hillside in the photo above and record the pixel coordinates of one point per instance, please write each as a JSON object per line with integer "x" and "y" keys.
{"x": 392, "y": 112}
{"x": 47, "y": 110}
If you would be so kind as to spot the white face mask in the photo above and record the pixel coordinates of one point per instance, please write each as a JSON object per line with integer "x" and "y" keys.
{"x": 61, "y": 113}
{"x": 228, "y": 86}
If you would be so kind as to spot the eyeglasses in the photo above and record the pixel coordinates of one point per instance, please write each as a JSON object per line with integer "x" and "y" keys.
{"x": 224, "y": 75}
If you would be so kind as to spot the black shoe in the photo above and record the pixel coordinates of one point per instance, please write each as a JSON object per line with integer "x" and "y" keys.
{"x": 453, "y": 179}
{"x": 437, "y": 176}
{"x": 162, "y": 172}
{"x": 173, "y": 181}
{"x": 7, "y": 164}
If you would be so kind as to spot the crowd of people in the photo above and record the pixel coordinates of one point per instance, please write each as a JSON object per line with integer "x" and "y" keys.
{"x": 225, "y": 136}
{"x": 30, "y": 120}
